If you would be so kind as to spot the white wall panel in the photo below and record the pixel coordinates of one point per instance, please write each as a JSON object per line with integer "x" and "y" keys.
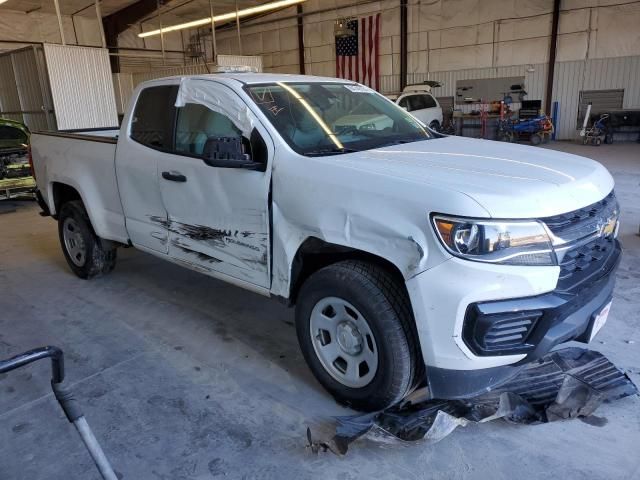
{"x": 82, "y": 86}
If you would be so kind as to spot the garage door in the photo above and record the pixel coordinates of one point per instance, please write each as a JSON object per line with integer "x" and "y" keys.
{"x": 601, "y": 101}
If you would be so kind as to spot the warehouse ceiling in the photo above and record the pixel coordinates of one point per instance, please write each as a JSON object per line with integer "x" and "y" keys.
{"x": 187, "y": 9}
{"x": 67, "y": 7}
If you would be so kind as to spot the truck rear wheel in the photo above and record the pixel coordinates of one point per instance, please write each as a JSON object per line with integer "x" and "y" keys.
{"x": 87, "y": 254}
{"x": 354, "y": 325}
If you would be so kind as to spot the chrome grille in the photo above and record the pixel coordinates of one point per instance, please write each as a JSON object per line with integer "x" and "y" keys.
{"x": 581, "y": 242}
{"x": 585, "y": 257}
{"x": 571, "y": 226}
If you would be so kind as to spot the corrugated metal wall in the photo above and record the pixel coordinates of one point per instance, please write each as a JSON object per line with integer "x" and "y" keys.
{"x": 30, "y": 83}
{"x": 9, "y": 98}
{"x": 595, "y": 74}
{"x": 24, "y": 89}
{"x": 570, "y": 78}
{"x": 81, "y": 86}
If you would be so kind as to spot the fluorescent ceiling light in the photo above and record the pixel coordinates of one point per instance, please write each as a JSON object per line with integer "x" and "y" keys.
{"x": 221, "y": 18}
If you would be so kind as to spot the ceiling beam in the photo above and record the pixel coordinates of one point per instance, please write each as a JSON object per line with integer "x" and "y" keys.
{"x": 117, "y": 22}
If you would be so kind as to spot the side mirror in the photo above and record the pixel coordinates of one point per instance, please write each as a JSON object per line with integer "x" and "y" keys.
{"x": 228, "y": 152}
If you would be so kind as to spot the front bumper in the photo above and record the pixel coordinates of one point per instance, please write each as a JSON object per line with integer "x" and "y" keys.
{"x": 460, "y": 361}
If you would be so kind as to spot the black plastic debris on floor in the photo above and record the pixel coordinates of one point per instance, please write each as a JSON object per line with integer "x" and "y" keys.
{"x": 564, "y": 384}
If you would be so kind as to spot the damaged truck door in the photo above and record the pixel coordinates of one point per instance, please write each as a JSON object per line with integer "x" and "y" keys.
{"x": 215, "y": 186}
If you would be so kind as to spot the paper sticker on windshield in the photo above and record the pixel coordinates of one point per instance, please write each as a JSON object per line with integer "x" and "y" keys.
{"x": 358, "y": 88}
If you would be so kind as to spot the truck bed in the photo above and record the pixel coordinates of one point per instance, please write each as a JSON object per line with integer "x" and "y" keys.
{"x": 83, "y": 160}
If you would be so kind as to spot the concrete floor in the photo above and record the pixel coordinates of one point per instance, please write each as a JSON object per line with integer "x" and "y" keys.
{"x": 184, "y": 377}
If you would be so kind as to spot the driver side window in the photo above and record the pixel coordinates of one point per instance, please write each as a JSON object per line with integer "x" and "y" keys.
{"x": 197, "y": 123}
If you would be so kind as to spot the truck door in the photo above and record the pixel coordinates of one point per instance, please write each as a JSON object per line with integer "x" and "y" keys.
{"x": 218, "y": 217}
{"x": 149, "y": 138}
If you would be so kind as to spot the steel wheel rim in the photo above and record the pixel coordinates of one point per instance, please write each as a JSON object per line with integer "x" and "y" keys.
{"x": 343, "y": 342}
{"x": 74, "y": 242}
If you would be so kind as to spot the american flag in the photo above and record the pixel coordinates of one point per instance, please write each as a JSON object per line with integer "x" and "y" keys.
{"x": 357, "y": 56}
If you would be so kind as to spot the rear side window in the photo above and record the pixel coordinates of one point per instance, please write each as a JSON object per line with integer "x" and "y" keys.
{"x": 418, "y": 102}
{"x": 154, "y": 117}
{"x": 429, "y": 101}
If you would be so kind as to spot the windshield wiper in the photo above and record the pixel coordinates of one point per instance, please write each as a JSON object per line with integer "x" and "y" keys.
{"x": 400, "y": 142}
{"x": 330, "y": 151}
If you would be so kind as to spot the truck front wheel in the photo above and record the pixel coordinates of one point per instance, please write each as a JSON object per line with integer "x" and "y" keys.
{"x": 353, "y": 321}
{"x": 86, "y": 253}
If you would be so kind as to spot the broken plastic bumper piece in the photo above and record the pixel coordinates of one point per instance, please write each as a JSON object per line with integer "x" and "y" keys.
{"x": 567, "y": 383}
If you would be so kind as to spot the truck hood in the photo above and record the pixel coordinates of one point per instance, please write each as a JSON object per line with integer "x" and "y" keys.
{"x": 507, "y": 180}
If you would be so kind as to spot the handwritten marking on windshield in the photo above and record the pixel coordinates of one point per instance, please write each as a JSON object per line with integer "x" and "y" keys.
{"x": 275, "y": 110}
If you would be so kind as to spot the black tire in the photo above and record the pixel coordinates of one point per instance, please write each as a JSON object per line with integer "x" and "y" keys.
{"x": 384, "y": 303}
{"x": 435, "y": 125}
{"x": 100, "y": 255}
{"x": 597, "y": 141}
{"x": 535, "y": 139}
{"x": 608, "y": 138}
{"x": 506, "y": 137}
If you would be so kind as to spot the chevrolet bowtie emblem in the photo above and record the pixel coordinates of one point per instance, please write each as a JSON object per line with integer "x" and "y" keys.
{"x": 607, "y": 228}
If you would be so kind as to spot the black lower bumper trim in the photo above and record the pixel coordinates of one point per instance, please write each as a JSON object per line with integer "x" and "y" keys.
{"x": 566, "y": 316}
{"x": 552, "y": 318}
{"x": 452, "y": 384}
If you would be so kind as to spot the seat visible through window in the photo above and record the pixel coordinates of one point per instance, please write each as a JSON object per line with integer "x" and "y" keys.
{"x": 196, "y": 123}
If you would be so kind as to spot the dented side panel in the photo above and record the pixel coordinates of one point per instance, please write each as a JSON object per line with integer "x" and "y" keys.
{"x": 358, "y": 210}
{"x": 218, "y": 220}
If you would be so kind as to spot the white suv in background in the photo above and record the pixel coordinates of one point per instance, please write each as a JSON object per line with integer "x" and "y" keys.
{"x": 418, "y": 100}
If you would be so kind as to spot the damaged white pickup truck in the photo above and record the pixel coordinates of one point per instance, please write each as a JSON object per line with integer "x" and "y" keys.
{"x": 411, "y": 258}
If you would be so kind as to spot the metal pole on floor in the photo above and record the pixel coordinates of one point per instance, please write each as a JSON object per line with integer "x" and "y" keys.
{"x": 94, "y": 448}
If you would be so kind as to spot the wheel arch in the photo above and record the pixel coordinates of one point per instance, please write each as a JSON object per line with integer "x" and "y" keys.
{"x": 62, "y": 193}
{"x": 314, "y": 253}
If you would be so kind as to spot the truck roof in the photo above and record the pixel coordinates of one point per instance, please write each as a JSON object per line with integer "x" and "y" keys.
{"x": 254, "y": 78}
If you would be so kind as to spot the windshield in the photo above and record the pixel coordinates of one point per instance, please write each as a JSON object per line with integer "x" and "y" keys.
{"x": 12, "y": 136}
{"x": 332, "y": 118}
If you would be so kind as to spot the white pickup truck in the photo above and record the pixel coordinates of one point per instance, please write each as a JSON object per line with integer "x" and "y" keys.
{"x": 411, "y": 259}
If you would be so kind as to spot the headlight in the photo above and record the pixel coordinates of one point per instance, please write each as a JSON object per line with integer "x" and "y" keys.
{"x": 494, "y": 241}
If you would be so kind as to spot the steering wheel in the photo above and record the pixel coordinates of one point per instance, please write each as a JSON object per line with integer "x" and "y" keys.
{"x": 347, "y": 130}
